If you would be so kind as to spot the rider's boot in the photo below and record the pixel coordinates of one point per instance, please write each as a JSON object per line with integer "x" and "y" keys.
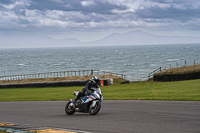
{"x": 76, "y": 98}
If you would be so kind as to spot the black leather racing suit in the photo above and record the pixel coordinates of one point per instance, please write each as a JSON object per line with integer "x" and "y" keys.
{"x": 90, "y": 84}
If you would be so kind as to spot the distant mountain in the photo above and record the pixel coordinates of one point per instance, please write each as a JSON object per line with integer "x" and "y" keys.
{"x": 142, "y": 38}
{"x": 131, "y": 38}
{"x": 32, "y": 40}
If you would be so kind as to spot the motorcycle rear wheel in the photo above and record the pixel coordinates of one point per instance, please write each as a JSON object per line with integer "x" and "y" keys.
{"x": 95, "y": 109}
{"x": 69, "y": 110}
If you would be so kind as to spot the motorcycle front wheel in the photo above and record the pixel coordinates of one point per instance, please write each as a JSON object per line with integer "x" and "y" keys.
{"x": 69, "y": 109}
{"x": 94, "y": 110}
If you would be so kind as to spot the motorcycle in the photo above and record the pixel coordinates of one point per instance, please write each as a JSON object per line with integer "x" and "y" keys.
{"x": 91, "y": 103}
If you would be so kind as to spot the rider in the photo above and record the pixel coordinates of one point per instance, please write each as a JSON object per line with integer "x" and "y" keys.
{"x": 92, "y": 83}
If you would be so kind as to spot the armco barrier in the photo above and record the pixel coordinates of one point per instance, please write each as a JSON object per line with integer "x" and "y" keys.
{"x": 54, "y": 84}
{"x": 176, "y": 77}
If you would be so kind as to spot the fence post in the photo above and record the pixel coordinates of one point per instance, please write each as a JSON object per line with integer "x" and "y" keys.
{"x": 194, "y": 62}
{"x": 91, "y": 72}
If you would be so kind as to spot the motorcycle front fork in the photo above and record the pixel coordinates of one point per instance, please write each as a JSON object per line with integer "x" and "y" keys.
{"x": 93, "y": 104}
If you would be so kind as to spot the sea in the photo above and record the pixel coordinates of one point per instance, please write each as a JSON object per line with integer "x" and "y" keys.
{"x": 136, "y": 62}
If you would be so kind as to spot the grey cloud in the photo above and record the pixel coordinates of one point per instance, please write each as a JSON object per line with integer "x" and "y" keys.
{"x": 6, "y": 2}
{"x": 91, "y": 14}
{"x": 14, "y": 5}
{"x": 171, "y": 13}
{"x": 74, "y": 5}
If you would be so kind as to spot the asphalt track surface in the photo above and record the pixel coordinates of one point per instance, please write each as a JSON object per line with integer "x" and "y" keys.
{"x": 129, "y": 116}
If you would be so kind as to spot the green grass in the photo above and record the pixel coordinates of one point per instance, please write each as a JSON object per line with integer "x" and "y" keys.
{"x": 182, "y": 90}
{"x": 177, "y": 91}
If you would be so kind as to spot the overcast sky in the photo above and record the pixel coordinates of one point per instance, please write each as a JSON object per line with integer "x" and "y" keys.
{"x": 88, "y": 20}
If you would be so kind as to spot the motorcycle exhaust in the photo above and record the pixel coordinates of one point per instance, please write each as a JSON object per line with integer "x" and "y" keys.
{"x": 77, "y": 110}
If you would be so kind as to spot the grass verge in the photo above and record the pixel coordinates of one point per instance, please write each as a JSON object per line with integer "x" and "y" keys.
{"x": 175, "y": 91}
{"x": 181, "y": 70}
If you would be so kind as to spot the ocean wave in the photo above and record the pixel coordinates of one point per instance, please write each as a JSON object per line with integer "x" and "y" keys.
{"x": 128, "y": 64}
{"x": 144, "y": 70}
{"x": 154, "y": 65}
{"x": 56, "y": 64}
{"x": 21, "y": 64}
{"x": 173, "y": 59}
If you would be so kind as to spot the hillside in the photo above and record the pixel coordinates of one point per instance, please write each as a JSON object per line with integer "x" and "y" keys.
{"x": 181, "y": 70}
{"x": 136, "y": 37}
{"x": 180, "y": 73}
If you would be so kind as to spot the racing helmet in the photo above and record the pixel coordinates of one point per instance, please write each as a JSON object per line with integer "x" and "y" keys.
{"x": 96, "y": 79}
